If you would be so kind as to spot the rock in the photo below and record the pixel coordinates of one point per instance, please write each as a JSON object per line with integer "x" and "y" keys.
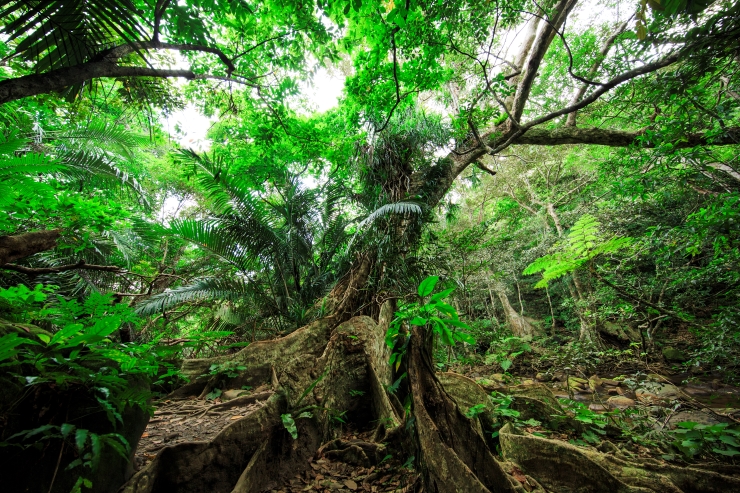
{"x": 668, "y": 391}
{"x": 612, "y": 391}
{"x": 577, "y": 383}
{"x": 597, "y": 408}
{"x": 673, "y": 355}
{"x": 499, "y": 377}
{"x": 647, "y": 397}
{"x": 697, "y": 390}
{"x": 227, "y": 395}
{"x": 542, "y": 377}
{"x": 594, "y": 381}
{"x": 528, "y": 381}
{"x": 702, "y": 417}
{"x": 620, "y": 402}
{"x": 610, "y": 383}
{"x": 621, "y": 332}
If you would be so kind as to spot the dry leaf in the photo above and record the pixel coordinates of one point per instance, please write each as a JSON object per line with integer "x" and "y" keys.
{"x": 350, "y": 484}
{"x": 237, "y": 417}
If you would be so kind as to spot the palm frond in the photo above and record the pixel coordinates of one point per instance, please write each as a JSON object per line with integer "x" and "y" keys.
{"x": 100, "y": 169}
{"x": 11, "y": 144}
{"x": 399, "y": 208}
{"x": 101, "y": 135}
{"x": 63, "y": 33}
{"x": 29, "y": 164}
{"x": 203, "y": 289}
{"x": 211, "y": 235}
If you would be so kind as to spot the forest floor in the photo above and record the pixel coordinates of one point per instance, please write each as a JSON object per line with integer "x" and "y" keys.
{"x": 654, "y": 397}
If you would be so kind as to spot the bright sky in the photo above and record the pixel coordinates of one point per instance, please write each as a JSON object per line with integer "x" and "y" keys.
{"x": 322, "y": 95}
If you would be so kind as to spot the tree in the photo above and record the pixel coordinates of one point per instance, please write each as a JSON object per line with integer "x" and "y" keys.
{"x": 401, "y": 53}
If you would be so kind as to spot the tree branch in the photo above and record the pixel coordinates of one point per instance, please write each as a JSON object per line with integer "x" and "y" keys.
{"x": 616, "y": 138}
{"x": 608, "y": 43}
{"x": 33, "y": 271}
{"x": 105, "y": 65}
{"x": 24, "y": 245}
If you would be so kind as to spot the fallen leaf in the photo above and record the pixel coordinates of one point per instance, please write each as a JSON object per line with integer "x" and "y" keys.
{"x": 237, "y": 417}
{"x": 350, "y": 484}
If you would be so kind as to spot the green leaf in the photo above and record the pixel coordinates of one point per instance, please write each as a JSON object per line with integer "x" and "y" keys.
{"x": 80, "y": 439}
{"x": 463, "y": 337}
{"x": 729, "y": 440}
{"x": 730, "y": 452}
{"x": 66, "y": 429}
{"x": 441, "y": 295}
{"x": 420, "y": 321}
{"x": 427, "y": 285}
{"x": 289, "y": 424}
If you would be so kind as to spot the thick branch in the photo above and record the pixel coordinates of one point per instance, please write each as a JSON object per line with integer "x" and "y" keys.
{"x": 615, "y": 138}
{"x": 594, "y": 68}
{"x": 54, "y": 270}
{"x": 537, "y": 53}
{"x": 24, "y": 245}
{"x": 105, "y": 66}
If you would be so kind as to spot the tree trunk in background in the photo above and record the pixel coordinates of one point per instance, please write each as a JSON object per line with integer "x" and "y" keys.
{"x": 520, "y": 327}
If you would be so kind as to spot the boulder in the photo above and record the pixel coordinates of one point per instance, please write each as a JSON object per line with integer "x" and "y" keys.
{"x": 227, "y": 395}
{"x": 673, "y": 355}
{"x": 622, "y": 332}
{"x": 620, "y": 402}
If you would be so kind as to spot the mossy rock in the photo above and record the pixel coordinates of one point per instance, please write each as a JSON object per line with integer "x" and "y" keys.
{"x": 673, "y": 355}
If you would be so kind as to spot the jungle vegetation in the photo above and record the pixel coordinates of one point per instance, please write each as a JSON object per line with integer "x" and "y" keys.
{"x": 499, "y": 181}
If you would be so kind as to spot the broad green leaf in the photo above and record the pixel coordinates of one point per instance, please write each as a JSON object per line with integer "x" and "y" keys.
{"x": 427, "y": 285}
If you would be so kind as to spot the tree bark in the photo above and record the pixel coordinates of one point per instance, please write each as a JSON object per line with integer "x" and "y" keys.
{"x": 519, "y": 325}
{"x": 24, "y": 245}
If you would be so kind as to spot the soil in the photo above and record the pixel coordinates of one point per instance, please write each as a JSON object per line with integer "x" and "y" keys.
{"x": 192, "y": 420}
{"x": 335, "y": 476}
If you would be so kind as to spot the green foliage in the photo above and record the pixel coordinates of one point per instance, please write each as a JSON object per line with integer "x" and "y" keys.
{"x": 693, "y": 439}
{"x": 582, "y": 245}
{"x": 505, "y": 351}
{"x": 434, "y": 314}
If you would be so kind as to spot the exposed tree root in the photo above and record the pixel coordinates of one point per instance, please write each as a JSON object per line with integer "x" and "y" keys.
{"x": 341, "y": 375}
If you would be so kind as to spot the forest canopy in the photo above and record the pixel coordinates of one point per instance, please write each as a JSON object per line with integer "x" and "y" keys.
{"x": 509, "y": 200}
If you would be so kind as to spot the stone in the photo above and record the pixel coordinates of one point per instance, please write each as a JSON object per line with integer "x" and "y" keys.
{"x": 673, "y": 355}
{"x": 620, "y": 402}
{"x": 610, "y": 383}
{"x": 577, "y": 383}
{"x": 499, "y": 377}
{"x": 622, "y": 332}
{"x": 227, "y": 395}
{"x": 702, "y": 417}
{"x": 668, "y": 391}
{"x": 542, "y": 377}
{"x": 594, "y": 381}
{"x": 647, "y": 397}
{"x": 597, "y": 408}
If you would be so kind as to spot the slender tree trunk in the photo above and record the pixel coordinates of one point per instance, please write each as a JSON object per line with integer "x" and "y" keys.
{"x": 520, "y": 327}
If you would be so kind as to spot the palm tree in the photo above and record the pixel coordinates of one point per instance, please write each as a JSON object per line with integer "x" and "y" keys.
{"x": 285, "y": 245}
